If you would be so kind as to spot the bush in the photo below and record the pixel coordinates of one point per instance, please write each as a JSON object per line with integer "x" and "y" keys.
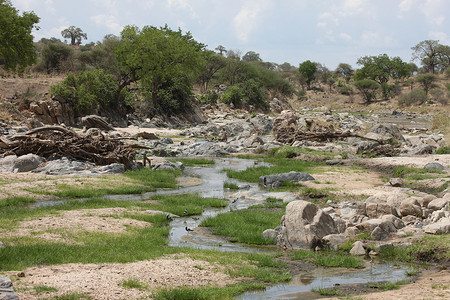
{"x": 87, "y": 91}
{"x": 233, "y": 95}
{"x": 416, "y": 96}
{"x": 174, "y": 93}
{"x": 245, "y": 94}
{"x": 345, "y": 90}
{"x": 439, "y": 95}
{"x": 209, "y": 98}
{"x": 427, "y": 81}
{"x": 301, "y": 94}
{"x": 368, "y": 88}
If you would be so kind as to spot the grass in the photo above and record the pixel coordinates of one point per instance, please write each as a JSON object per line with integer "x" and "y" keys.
{"x": 329, "y": 258}
{"x": 430, "y": 248}
{"x": 443, "y": 150}
{"x": 387, "y": 286}
{"x": 73, "y": 296}
{"x": 279, "y": 165}
{"x": 43, "y": 288}
{"x": 190, "y": 162}
{"x": 245, "y": 226}
{"x": 289, "y": 152}
{"x": 134, "y": 283}
{"x": 16, "y": 201}
{"x": 230, "y": 185}
{"x": 414, "y": 173}
{"x": 205, "y": 293}
{"x": 177, "y": 204}
{"x": 327, "y": 292}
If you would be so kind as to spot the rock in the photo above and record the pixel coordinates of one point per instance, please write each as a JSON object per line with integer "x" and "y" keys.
{"x": 365, "y": 145}
{"x": 434, "y": 165}
{"x": 376, "y": 210}
{"x": 2, "y": 245}
{"x": 28, "y": 162}
{"x": 147, "y": 135}
{"x": 93, "y": 121}
{"x": 358, "y": 249}
{"x": 262, "y": 123}
{"x": 304, "y": 226}
{"x": 438, "y": 203}
{"x": 425, "y": 200}
{"x": 114, "y": 168}
{"x": 408, "y": 220}
{"x": 377, "y": 234}
{"x": 7, "y": 290}
{"x": 7, "y": 163}
{"x": 422, "y": 149}
{"x": 352, "y": 231}
{"x": 388, "y": 130}
{"x": 440, "y": 227}
{"x": 166, "y": 140}
{"x": 396, "y": 182}
{"x": 436, "y": 216}
{"x": 410, "y": 207}
{"x": 63, "y": 166}
{"x": 397, "y": 222}
{"x": 270, "y": 180}
{"x": 334, "y": 241}
{"x": 168, "y": 165}
{"x": 270, "y": 234}
{"x": 333, "y": 162}
{"x": 350, "y": 210}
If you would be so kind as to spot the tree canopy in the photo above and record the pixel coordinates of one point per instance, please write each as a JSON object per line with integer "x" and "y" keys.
{"x": 381, "y": 68}
{"x": 75, "y": 35}
{"x": 432, "y": 55}
{"x": 308, "y": 69}
{"x": 16, "y": 41}
{"x": 155, "y": 55}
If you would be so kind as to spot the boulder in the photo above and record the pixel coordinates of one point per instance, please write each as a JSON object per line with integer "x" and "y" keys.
{"x": 396, "y": 182}
{"x": 334, "y": 241}
{"x": 410, "y": 207}
{"x": 438, "y": 203}
{"x": 427, "y": 199}
{"x": 7, "y": 290}
{"x": 28, "y": 162}
{"x": 350, "y": 210}
{"x": 388, "y": 131}
{"x": 436, "y": 216}
{"x": 397, "y": 222}
{"x": 304, "y": 226}
{"x": 93, "y": 121}
{"x": 147, "y": 135}
{"x": 2, "y": 245}
{"x": 376, "y": 210}
{"x": 440, "y": 227}
{"x": 358, "y": 249}
{"x": 277, "y": 179}
{"x": 434, "y": 166}
{"x": 270, "y": 234}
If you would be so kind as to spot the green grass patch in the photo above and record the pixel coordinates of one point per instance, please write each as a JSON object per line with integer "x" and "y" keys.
{"x": 73, "y": 296}
{"x": 440, "y": 286}
{"x": 177, "y": 204}
{"x": 245, "y": 226}
{"x": 443, "y": 150}
{"x": 190, "y": 162}
{"x": 230, "y": 185}
{"x": 329, "y": 258}
{"x": 290, "y": 152}
{"x": 43, "y": 288}
{"x": 134, "y": 283}
{"x": 16, "y": 201}
{"x": 205, "y": 293}
{"x": 412, "y": 173}
{"x": 387, "y": 286}
{"x": 327, "y": 292}
{"x": 279, "y": 165}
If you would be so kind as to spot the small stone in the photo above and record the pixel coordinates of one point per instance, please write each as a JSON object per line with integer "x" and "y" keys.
{"x": 358, "y": 249}
{"x": 434, "y": 165}
{"x": 396, "y": 182}
{"x": 2, "y": 245}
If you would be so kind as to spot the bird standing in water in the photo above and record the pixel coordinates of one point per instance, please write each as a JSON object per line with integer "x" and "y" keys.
{"x": 188, "y": 229}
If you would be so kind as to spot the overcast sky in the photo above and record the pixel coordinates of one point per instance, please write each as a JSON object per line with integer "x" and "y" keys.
{"x": 325, "y": 31}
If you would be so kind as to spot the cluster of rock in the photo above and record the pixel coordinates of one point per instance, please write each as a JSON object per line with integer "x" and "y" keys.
{"x": 384, "y": 219}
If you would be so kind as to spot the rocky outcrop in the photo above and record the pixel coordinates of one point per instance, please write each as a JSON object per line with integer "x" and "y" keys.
{"x": 24, "y": 163}
{"x": 7, "y": 290}
{"x": 304, "y": 226}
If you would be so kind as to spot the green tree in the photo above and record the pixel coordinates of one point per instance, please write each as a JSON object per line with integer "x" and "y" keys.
{"x": 427, "y": 81}
{"x": 213, "y": 63}
{"x": 221, "y": 49}
{"x": 75, "y": 35}
{"x": 308, "y": 69}
{"x": 251, "y": 56}
{"x": 368, "y": 89}
{"x": 16, "y": 41}
{"x": 345, "y": 70}
{"x": 152, "y": 55}
{"x": 380, "y": 69}
{"x": 54, "y": 55}
{"x": 432, "y": 55}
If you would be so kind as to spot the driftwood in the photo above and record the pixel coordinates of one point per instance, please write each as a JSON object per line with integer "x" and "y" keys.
{"x": 58, "y": 141}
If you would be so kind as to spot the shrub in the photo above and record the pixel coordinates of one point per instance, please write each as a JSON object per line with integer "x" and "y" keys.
{"x": 209, "y": 98}
{"x": 301, "y": 94}
{"x": 245, "y": 94}
{"x": 439, "y": 95}
{"x": 345, "y": 90}
{"x": 416, "y": 96}
{"x": 426, "y": 80}
{"x": 233, "y": 95}
{"x": 368, "y": 88}
{"x": 87, "y": 90}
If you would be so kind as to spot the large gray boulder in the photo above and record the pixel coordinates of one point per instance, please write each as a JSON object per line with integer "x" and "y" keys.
{"x": 24, "y": 163}
{"x": 7, "y": 290}
{"x": 277, "y": 179}
{"x": 93, "y": 121}
{"x": 440, "y": 227}
{"x": 410, "y": 207}
{"x": 438, "y": 203}
{"x": 304, "y": 226}
{"x": 388, "y": 131}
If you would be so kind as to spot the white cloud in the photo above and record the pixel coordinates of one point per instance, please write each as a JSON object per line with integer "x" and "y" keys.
{"x": 375, "y": 39}
{"x": 108, "y": 21}
{"x": 351, "y": 7}
{"x": 405, "y": 6}
{"x": 24, "y": 4}
{"x": 248, "y": 19}
{"x": 441, "y": 36}
{"x": 346, "y": 37}
{"x": 435, "y": 11}
{"x": 182, "y": 5}
{"x": 327, "y": 19}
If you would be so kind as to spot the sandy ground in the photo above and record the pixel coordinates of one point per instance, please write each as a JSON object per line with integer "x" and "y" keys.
{"x": 133, "y": 130}
{"x": 104, "y": 281}
{"x": 431, "y": 285}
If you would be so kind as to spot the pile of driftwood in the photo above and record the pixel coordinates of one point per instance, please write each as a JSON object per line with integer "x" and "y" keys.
{"x": 58, "y": 141}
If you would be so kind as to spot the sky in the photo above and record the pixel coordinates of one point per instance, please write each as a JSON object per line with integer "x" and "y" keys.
{"x": 325, "y": 31}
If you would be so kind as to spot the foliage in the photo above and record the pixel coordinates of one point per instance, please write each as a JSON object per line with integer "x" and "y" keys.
{"x": 174, "y": 93}
{"x": 245, "y": 94}
{"x": 380, "y": 69}
{"x": 308, "y": 69}
{"x": 233, "y": 95}
{"x": 443, "y": 150}
{"x": 209, "y": 98}
{"x": 16, "y": 46}
{"x": 102, "y": 56}
{"x": 252, "y": 223}
{"x": 416, "y": 96}
{"x": 329, "y": 258}
{"x": 251, "y": 56}
{"x": 368, "y": 88}
{"x": 439, "y": 95}
{"x": 345, "y": 70}
{"x": 16, "y": 201}
{"x": 75, "y": 35}
{"x": 54, "y": 56}
{"x": 155, "y": 56}
{"x": 87, "y": 91}
{"x": 426, "y": 80}
{"x": 213, "y": 63}
{"x": 433, "y": 55}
